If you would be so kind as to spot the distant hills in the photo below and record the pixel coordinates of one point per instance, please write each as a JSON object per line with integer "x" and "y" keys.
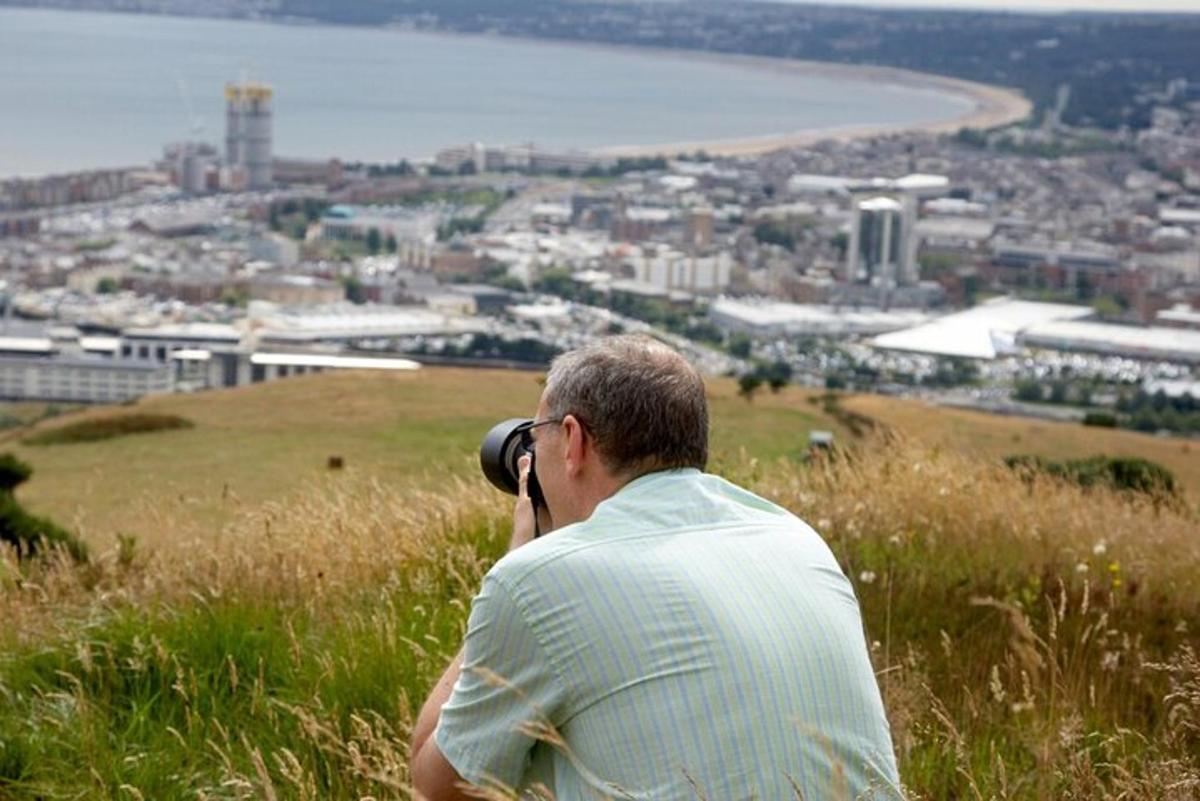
{"x": 1118, "y": 67}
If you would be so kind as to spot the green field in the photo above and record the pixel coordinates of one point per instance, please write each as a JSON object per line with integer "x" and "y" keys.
{"x": 253, "y": 624}
{"x": 269, "y": 441}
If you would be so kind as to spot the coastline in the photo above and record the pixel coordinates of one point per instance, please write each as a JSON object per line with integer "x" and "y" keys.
{"x": 993, "y": 106}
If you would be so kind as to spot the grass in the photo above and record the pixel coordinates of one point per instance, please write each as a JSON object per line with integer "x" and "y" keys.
{"x": 266, "y": 442}
{"x": 996, "y": 436}
{"x": 1033, "y": 639}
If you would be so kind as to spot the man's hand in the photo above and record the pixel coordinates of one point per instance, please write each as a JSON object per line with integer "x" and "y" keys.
{"x": 523, "y": 512}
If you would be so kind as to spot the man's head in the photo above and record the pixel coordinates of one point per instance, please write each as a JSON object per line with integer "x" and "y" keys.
{"x": 628, "y": 405}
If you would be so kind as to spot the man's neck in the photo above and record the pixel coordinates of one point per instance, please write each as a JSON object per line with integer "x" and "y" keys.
{"x": 599, "y": 488}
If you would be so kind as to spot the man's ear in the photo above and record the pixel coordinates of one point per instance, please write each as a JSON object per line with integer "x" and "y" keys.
{"x": 576, "y": 441}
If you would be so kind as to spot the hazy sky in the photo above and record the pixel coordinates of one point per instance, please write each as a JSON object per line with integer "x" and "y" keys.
{"x": 1192, "y": 6}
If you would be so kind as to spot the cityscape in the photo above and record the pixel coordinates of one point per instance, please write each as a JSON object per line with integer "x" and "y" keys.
{"x": 975, "y": 269}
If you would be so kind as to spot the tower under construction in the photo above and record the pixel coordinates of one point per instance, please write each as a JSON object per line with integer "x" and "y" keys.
{"x": 248, "y": 132}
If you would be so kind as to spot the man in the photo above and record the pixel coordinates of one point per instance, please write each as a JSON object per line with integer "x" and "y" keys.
{"x": 673, "y": 637}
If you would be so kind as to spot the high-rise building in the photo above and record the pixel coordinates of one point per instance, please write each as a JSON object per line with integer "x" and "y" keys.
{"x": 248, "y": 132}
{"x": 876, "y": 243}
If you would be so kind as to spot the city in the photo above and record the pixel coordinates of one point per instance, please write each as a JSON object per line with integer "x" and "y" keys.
{"x": 961, "y": 269}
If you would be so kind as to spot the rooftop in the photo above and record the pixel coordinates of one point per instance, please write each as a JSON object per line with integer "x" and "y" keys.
{"x": 984, "y": 332}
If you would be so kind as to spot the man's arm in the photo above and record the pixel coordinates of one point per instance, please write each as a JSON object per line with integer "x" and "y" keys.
{"x": 433, "y": 777}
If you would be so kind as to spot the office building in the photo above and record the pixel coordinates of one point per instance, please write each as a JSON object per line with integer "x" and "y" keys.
{"x": 248, "y": 133}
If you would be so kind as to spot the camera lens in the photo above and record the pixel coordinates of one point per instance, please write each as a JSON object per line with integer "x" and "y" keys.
{"x": 499, "y": 453}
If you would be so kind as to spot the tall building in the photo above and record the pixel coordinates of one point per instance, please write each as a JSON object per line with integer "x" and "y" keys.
{"x": 248, "y": 132}
{"x": 876, "y": 245}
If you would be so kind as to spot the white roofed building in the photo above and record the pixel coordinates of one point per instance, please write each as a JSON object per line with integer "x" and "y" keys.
{"x": 983, "y": 332}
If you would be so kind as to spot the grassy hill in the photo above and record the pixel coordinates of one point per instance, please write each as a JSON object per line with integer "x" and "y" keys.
{"x": 265, "y": 442}
{"x": 255, "y": 625}
{"x": 996, "y": 436}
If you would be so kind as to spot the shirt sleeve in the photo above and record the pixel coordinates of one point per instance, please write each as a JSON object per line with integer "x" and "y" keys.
{"x": 507, "y": 686}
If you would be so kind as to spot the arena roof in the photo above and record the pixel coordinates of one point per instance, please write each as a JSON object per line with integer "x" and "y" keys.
{"x": 984, "y": 332}
{"x": 796, "y": 319}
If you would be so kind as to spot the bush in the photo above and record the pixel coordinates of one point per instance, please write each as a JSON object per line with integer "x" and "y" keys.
{"x": 13, "y": 473}
{"x": 1120, "y": 473}
{"x": 109, "y": 427}
{"x": 1100, "y": 419}
{"x": 30, "y": 534}
{"x": 25, "y": 532}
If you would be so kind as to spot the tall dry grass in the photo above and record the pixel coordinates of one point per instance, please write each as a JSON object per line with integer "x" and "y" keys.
{"x": 1033, "y": 640}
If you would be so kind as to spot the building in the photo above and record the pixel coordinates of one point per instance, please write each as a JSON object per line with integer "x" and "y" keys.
{"x": 200, "y": 369}
{"x": 987, "y": 331}
{"x": 672, "y": 270}
{"x": 402, "y": 223}
{"x": 68, "y": 367}
{"x": 157, "y": 344}
{"x": 876, "y": 244}
{"x": 248, "y": 132}
{"x": 775, "y": 319}
{"x": 295, "y": 290}
{"x": 80, "y": 379}
{"x": 1133, "y": 342}
{"x": 698, "y": 232}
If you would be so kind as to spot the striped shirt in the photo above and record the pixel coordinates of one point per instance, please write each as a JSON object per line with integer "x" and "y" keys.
{"x": 688, "y": 640}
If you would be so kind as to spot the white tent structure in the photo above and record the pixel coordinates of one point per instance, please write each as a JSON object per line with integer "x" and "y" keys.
{"x": 984, "y": 332}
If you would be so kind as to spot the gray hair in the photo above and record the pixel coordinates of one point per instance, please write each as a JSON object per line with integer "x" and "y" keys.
{"x": 639, "y": 400}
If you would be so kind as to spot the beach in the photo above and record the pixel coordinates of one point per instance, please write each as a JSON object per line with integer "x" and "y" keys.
{"x": 992, "y": 107}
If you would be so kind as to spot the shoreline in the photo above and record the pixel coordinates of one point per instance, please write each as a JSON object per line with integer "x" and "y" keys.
{"x": 994, "y": 105}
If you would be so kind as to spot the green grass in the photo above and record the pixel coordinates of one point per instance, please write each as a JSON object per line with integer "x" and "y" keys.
{"x": 259, "y": 444}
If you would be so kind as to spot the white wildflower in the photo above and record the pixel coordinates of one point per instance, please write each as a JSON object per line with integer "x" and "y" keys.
{"x": 867, "y": 577}
{"x": 1100, "y": 548}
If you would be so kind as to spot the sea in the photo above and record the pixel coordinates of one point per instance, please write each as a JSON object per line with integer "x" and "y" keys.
{"x": 81, "y": 90}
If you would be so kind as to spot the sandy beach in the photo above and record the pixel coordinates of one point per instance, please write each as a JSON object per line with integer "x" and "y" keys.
{"x": 992, "y": 106}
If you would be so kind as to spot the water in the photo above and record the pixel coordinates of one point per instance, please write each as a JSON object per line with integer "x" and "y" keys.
{"x": 81, "y": 90}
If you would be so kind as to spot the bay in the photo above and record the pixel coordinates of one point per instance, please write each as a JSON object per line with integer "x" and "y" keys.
{"x": 81, "y": 90}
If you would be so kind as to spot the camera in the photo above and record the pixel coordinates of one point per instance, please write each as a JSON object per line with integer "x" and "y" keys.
{"x": 498, "y": 456}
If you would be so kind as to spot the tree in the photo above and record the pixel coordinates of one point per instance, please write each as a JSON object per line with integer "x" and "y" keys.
{"x": 1058, "y": 392}
{"x": 556, "y": 281}
{"x": 1028, "y": 391}
{"x": 106, "y": 286}
{"x": 840, "y": 241}
{"x": 355, "y": 292}
{"x": 749, "y": 384}
{"x": 391, "y": 245}
{"x": 374, "y": 241}
{"x": 771, "y": 233}
{"x": 739, "y": 345}
{"x": 777, "y": 374}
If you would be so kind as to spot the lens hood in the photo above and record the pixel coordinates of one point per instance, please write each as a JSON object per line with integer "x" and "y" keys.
{"x": 499, "y": 453}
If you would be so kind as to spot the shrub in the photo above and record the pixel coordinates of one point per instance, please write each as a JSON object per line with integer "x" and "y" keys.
{"x": 13, "y": 473}
{"x": 1100, "y": 419}
{"x": 25, "y": 532}
{"x": 30, "y": 534}
{"x": 108, "y": 427}
{"x": 1120, "y": 473}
